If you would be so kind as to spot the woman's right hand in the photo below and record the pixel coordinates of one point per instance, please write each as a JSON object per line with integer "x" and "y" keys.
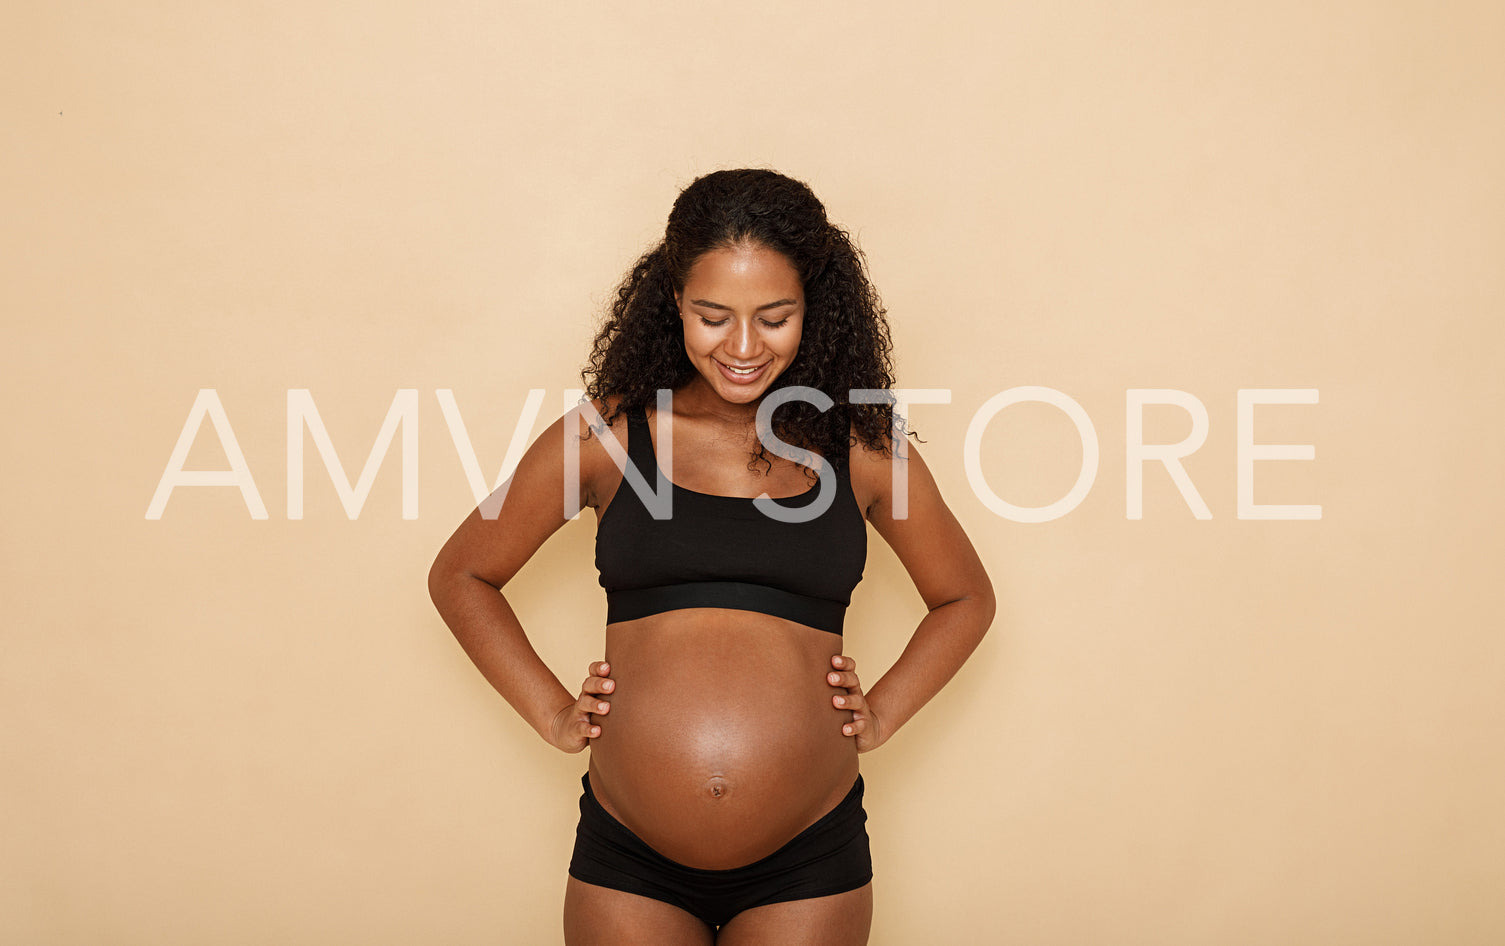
{"x": 574, "y": 727}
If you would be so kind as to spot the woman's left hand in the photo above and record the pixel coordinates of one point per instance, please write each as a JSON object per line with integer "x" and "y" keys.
{"x": 864, "y": 726}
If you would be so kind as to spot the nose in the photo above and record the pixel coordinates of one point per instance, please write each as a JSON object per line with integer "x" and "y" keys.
{"x": 745, "y": 341}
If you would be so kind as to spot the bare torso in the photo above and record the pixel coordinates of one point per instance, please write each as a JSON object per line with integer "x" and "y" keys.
{"x": 719, "y": 775}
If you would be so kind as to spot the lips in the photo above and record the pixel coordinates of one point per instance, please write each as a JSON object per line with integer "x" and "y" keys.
{"x": 742, "y": 374}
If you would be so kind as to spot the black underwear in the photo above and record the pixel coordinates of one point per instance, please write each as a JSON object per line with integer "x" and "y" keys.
{"x": 829, "y": 857}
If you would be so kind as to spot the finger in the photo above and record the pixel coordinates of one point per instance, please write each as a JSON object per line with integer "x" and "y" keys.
{"x": 855, "y": 728}
{"x": 588, "y": 703}
{"x": 852, "y": 701}
{"x": 599, "y": 668}
{"x": 598, "y": 685}
{"x": 589, "y": 730}
{"x": 843, "y": 662}
{"x": 848, "y": 680}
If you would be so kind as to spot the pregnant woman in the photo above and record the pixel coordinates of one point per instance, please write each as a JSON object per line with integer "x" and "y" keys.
{"x": 733, "y": 473}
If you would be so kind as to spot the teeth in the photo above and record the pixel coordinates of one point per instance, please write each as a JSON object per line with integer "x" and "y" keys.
{"x": 741, "y": 370}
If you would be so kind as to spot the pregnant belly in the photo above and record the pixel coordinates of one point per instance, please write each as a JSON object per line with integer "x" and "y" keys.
{"x": 721, "y": 743}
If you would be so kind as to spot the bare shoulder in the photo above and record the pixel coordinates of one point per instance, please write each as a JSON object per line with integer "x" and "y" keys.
{"x": 576, "y": 437}
{"x": 598, "y": 415}
{"x": 872, "y": 470}
{"x": 596, "y": 422}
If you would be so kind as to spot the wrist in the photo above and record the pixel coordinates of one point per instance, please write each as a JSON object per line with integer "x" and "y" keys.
{"x": 882, "y": 720}
{"x": 554, "y": 725}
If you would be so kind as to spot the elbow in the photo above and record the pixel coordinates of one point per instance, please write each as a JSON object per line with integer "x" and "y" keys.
{"x": 448, "y": 577}
{"x": 444, "y": 577}
{"x": 438, "y": 580}
{"x": 986, "y": 605}
{"x": 989, "y": 606}
{"x": 973, "y": 610}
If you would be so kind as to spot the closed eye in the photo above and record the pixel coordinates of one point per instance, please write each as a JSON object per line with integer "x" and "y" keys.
{"x": 715, "y": 323}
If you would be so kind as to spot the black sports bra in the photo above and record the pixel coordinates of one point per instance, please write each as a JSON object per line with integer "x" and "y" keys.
{"x": 724, "y": 552}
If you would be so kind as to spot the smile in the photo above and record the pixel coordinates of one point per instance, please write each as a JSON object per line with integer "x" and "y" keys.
{"x": 742, "y": 375}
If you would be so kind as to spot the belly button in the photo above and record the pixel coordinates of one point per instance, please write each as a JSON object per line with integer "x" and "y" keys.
{"x": 718, "y": 786}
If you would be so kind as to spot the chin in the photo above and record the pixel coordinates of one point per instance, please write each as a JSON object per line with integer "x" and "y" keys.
{"x": 742, "y": 395}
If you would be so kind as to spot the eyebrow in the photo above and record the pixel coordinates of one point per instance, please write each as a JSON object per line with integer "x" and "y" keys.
{"x": 716, "y": 305}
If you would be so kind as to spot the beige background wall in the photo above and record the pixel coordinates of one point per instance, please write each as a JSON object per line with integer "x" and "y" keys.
{"x": 222, "y": 730}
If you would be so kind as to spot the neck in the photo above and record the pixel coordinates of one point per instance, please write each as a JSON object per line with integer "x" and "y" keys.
{"x": 698, "y": 399}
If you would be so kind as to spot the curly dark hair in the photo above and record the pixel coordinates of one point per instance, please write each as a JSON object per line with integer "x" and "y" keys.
{"x": 845, "y": 341}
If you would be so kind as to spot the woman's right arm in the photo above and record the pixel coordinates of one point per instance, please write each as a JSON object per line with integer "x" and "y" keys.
{"x": 466, "y": 579}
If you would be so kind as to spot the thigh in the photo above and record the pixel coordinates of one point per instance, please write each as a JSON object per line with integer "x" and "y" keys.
{"x": 842, "y": 919}
{"x": 598, "y": 916}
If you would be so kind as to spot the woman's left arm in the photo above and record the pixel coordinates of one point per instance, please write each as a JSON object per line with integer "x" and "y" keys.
{"x": 950, "y": 578}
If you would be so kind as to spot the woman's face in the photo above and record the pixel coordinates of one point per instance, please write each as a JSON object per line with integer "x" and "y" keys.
{"x": 743, "y": 310}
